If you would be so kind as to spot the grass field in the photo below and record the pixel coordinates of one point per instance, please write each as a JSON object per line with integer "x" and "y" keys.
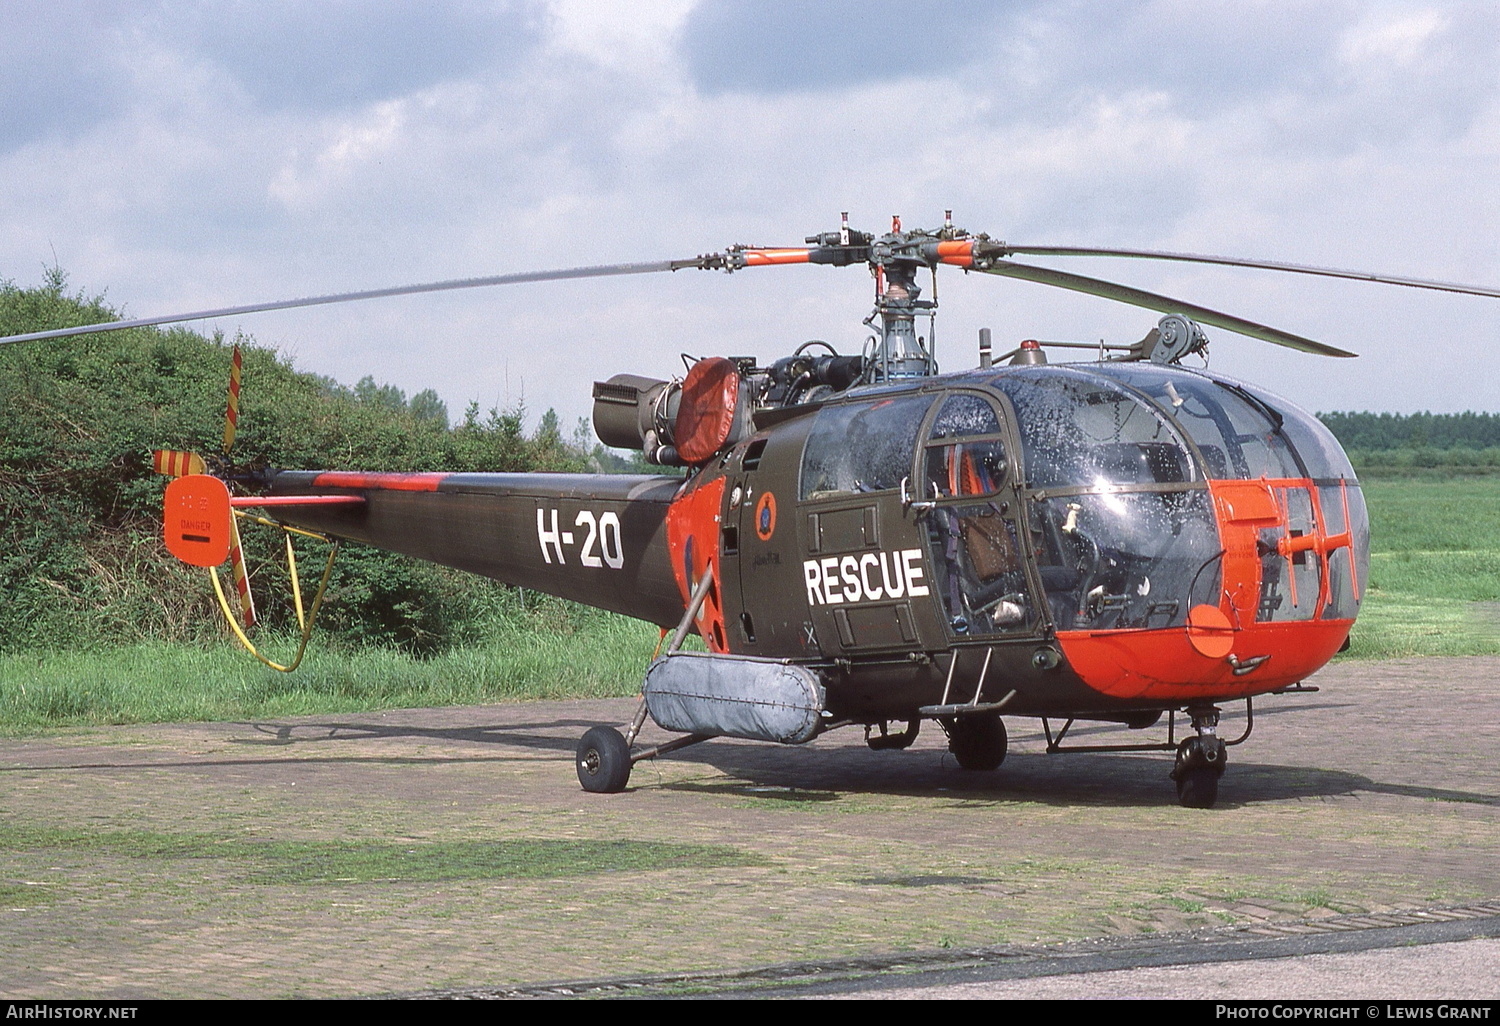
{"x": 1434, "y": 589}
{"x": 163, "y": 683}
{"x": 1434, "y": 585}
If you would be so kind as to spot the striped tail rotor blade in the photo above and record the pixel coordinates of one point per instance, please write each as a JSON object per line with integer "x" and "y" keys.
{"x": 232, "y": 414}
{"x": 176, "y": 463}
{"x": 241, "y": 575}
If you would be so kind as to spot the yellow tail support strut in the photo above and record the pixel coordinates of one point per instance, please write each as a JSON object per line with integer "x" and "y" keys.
{"x": 304, "y": 621}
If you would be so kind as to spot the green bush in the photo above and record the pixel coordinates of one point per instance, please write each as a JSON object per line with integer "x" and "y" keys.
{"x": 80, "y": 557}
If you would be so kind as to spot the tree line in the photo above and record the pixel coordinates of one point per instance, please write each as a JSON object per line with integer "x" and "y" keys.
{"x": 1380, "y": 432}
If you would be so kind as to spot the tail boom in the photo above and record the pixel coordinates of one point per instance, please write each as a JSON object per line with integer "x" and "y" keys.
{"x": 595, "y": 539}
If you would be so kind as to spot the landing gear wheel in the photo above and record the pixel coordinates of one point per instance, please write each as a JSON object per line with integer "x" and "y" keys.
{"x": 977, "y": 742}
{"x": 1198, "y": 788}
{"x": 1200, "y": 764}
{"x": 603, "y": 761}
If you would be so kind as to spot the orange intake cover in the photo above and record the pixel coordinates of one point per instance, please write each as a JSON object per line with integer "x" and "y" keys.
{"x": 705, "y": 416}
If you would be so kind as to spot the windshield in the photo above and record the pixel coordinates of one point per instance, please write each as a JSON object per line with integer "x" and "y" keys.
{"x": 1239, "y": 434}
{"x": 1117, "y": 459}
{"x": 1080, "y": 428}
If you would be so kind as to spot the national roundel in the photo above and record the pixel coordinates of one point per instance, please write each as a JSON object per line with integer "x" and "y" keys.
{"x": 765, "y": 516}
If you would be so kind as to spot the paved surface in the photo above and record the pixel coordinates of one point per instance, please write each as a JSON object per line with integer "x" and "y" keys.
{"x": 1447, "y": 954}
{"x": 1466, "y": 971}
{"x": 1377, "y": 795}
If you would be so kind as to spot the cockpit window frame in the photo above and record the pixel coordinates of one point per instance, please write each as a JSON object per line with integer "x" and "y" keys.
{"x": 1274, "y": 411}
{"x": 1059, "y": 606}
{"x": 1006, "y": 523}
{"x": 1005, "y": 434}
{"x": 862, "y": 403}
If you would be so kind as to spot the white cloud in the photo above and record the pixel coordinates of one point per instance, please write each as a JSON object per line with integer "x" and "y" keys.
{"x": 619, "y": 35}
{"x": 1343, "y": 135}
{"x": 1391, "y": 39}
{"x": 374, "y": 133}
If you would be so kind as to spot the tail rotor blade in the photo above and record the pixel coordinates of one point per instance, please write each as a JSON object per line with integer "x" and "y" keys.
{"x": 176, "y": 463}
{"x": 232, "y": 414}
{"x": 241, "y": 575}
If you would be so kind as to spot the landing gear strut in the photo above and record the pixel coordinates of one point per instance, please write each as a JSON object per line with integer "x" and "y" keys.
{"x": 605, "y": 756}
{"x": 1200, "y": 761}
{"x": 886, "y": 741}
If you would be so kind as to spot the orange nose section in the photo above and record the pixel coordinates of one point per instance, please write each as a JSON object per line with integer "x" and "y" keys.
{"x": 1171, "y": 664}
{"x": 1245, "y": 644}
{"x": 196, "y": 520}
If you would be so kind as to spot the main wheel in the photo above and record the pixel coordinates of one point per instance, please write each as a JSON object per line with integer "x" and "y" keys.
{"x": 603, "y": 761}
{"x": 977, "y": 742}
{"x": 1198, "y": 787}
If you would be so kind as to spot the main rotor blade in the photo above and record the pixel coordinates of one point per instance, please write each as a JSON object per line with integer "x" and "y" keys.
{"x": 597, "y": 271}
{"x": 1161, "y": 304}
{"x": 1264, "y": 265}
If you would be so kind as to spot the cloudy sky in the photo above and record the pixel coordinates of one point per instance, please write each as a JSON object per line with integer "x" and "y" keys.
{"x": 183, "y": 155}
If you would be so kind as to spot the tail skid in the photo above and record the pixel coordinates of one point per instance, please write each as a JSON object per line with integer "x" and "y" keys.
{"x": 304, "y": 621}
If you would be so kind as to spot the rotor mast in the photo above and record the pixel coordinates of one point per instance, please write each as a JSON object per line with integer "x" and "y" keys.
{"x": 900, "y": 352}
{"x": 894, "y": 260}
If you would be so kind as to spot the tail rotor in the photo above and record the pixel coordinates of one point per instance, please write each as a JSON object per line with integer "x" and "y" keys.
{"x": 201, "y": 525}
{"x": 175, "y": 463}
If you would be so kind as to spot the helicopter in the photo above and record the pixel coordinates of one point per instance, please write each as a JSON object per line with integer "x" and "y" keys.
{"x": 863, "y": 541}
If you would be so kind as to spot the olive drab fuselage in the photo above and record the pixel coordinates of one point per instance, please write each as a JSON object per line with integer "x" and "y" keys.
{"x": 1081, "y": 540}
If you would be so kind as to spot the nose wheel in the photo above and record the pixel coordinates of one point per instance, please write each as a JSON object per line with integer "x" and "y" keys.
{"x": 1200, "y": 762}
{"x": 977, "y": 742}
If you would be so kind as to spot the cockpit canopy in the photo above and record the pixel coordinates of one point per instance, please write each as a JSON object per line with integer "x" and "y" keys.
{"x": 1130, "y": 424}
{"x": 1082, "y": 425}
{"x": 1116, "y": 463}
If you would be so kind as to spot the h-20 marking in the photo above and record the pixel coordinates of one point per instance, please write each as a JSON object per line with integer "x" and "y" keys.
{"x": 602, "y": 546}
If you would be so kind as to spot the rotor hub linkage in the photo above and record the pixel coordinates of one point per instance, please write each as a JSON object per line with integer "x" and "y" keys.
{"x": 894, "y": 259}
